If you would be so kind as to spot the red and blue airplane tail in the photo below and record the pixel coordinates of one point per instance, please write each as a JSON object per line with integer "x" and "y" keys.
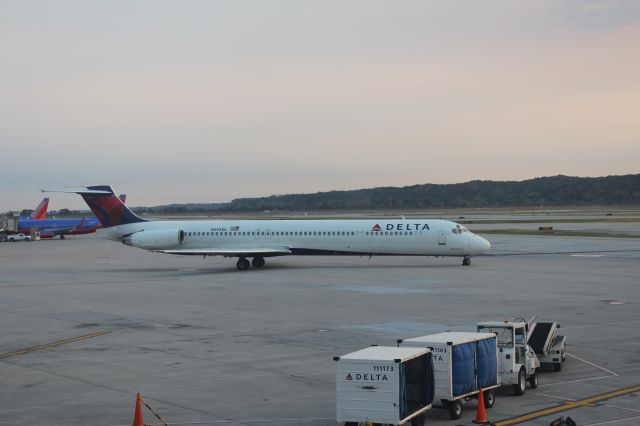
{"x": 109, "y": 209}
{"x": 41, "y": 211}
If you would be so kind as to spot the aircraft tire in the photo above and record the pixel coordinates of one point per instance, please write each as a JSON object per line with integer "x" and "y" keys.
{"x": 243, "y": 264}
{"x": 258, "y": 262}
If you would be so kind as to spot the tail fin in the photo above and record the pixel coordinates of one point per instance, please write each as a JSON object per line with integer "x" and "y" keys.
{"x": 108, "y": 208}
{"x": 41, "y": 211}
{"x": 103, "y": 202}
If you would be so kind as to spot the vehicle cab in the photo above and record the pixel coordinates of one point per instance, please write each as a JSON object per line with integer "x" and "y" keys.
{"x": 517, "y": 362}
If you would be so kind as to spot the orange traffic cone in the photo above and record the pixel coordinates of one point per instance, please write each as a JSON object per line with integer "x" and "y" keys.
{"x": 481, "y": 415}
{"x": 137, "y": 417}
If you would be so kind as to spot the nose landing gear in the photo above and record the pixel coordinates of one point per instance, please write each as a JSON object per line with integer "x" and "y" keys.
{"x": 466, "y": 261}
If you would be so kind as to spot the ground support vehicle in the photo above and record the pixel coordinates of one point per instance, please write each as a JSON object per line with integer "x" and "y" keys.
{"x": 464, "y": 363}
{"x": 549, "y": 346}
{"x": 18, "y": 237}
{"x": 384, "y": 386}
{"x": 517, "y": 361}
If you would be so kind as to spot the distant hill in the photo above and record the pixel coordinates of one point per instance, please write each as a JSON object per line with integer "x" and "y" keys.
{"x": 545, "y": 191}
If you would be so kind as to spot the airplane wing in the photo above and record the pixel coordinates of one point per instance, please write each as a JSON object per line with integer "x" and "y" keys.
{"x": 231, "y": 252}
{"x": 60, "y": 231}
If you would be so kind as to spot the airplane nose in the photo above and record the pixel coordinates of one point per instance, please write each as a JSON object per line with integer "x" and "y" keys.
{"x": 486, "y": 245}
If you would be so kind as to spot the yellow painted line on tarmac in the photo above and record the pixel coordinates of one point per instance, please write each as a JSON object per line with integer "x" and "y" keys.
{"x": 52, "y": 344}
{"x": 568, "y": 406}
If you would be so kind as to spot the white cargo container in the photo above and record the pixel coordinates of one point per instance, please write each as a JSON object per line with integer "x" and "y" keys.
{"x": 384, "y": 385}
{"x": 463, "y": 362}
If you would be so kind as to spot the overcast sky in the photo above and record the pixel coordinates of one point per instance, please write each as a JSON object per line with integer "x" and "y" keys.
{"x": 203, "y": 101}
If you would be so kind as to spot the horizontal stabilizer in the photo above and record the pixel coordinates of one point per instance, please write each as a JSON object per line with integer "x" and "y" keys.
{"x": 78, "y": 190}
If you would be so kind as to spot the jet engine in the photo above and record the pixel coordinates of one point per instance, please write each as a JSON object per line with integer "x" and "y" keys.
{"x": 162, "y": 239}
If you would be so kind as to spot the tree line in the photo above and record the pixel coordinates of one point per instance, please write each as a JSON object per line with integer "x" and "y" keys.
{"x": 545, "y": 191}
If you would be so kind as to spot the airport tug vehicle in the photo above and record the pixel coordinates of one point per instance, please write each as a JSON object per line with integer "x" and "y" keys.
{"x": 384, "y": 386}
{"x": 522, "y": 350}
{"x": 465, "y": 364}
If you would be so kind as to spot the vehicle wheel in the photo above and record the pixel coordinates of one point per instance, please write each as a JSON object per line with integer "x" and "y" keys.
{"x": 350, "y": 424}
{"x": 62, "y": 237}
{"x": 12, "y": 240}
{"x": 518, "y": 388}
{"x": 557, "y": 366}
{"x": 489, "y": 399}
{"x": 258, "y": 262}
{"x": 533, "y": 381}
{"x": 418, "y": 420}
{"x": 455, "y": 409}
{"x": 466, "y": 261}
{"x": 243, "y": 264}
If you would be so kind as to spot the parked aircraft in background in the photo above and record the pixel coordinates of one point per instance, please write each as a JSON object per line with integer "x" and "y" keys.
{"x": 50, "y": 228}
{"x": 258, "y": 239}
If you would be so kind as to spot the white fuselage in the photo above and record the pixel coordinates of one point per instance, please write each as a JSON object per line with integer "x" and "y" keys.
{"x": 420, "y": 237}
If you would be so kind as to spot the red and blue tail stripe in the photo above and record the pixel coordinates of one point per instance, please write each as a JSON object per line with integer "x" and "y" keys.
{"x": 108, "y": 208}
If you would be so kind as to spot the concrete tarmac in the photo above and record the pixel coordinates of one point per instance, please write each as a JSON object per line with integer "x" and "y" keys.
{"x": 87, "y": 323}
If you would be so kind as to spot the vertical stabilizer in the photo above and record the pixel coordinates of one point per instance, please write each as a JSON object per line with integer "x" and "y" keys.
{"x": 41, "y": 211}
{"x": 108, "y": 208}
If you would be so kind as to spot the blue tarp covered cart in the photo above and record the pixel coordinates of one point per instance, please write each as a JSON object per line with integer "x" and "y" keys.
{"x": 463, "y": 364}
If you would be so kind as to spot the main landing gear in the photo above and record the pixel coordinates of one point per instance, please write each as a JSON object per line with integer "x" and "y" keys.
{"x": 466, "y": 261}
{"x": 243, "y": 263}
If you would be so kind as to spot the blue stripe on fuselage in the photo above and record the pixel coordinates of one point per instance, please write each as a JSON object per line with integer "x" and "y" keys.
{"x": 56, "y": 224}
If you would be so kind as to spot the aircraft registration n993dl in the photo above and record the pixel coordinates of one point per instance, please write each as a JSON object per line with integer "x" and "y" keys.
{"x": 258, "y": 239}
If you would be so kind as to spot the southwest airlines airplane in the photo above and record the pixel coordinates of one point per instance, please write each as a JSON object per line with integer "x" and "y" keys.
{"x": 257, "y": 239}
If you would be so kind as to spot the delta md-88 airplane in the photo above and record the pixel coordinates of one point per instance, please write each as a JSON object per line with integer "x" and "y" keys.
{"x": 258, "y": 239}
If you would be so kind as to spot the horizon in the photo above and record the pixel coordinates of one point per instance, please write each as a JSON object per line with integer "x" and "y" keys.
{"x": 85, "y": 208}
{"x": 173, "y": 102}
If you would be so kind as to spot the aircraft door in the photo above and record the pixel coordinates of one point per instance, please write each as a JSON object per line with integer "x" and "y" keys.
{"x": 259, "y": 234}
{"x": 442, "y": 238}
